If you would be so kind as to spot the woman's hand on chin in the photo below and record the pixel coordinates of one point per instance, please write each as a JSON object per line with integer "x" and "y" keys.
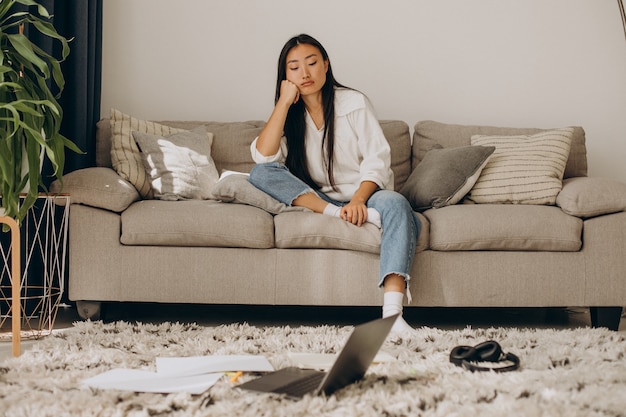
{"x": 289, "y": 92}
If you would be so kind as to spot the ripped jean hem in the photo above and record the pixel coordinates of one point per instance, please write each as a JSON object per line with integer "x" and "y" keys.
{"x": 407, "y": 280}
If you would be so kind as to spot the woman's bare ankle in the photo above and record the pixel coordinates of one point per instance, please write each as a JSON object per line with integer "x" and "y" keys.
{"x": 311, "y": 201}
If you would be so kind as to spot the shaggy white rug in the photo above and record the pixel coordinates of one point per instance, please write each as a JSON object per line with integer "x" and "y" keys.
{"x": 579, "y": 372}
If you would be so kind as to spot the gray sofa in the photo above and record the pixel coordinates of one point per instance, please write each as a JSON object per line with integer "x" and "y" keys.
{"x": 229, "y": 250}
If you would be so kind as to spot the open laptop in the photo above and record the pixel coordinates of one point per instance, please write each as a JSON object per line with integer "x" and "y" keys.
{"x": 350, "y": 366}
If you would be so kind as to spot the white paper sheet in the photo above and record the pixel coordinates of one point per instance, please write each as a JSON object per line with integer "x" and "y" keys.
{"x": 193, "y": 374}
{"x": 146, "y": 381}
{"x": 195, "y": 365}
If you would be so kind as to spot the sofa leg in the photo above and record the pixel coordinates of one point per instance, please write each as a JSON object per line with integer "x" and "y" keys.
{"x": 605, "y": 317}
{"x": 89, "y": 310}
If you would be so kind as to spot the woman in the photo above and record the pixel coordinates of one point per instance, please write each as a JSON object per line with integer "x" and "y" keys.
{"x": 322, "y": 148}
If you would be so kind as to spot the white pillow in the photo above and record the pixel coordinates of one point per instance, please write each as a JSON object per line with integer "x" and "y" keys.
{"x": 524, "y": 169}
{"x": 179, "y": 166}
{"x": 125, "y": 156}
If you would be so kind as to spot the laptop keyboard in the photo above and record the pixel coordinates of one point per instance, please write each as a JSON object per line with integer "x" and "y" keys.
{"x": 302, "y": 386}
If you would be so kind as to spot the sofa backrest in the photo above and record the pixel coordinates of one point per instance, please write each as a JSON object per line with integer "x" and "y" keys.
{"x": 231, "y": 144}
{"x": 428, "y": 134}
{"x": 231, "y": 141}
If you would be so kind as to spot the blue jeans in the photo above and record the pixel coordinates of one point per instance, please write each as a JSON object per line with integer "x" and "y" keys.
{"x": 400, "y": 225}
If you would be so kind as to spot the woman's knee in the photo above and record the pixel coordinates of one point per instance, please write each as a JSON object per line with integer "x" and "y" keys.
{"x": 259, "y": 169}
{"x": 386, "y": 200}
{"x": 261, "y": 172}
{"x": 393, "y": 205}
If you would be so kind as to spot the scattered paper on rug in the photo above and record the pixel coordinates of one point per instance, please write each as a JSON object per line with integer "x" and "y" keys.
{"x": 192, "y": 374}
{"x": 576, "y": 372}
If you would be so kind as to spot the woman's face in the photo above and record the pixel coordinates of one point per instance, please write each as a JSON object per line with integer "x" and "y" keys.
{"x": 306, "y": 68}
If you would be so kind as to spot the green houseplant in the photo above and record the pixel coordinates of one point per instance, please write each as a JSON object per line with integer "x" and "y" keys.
{"x": 31, "y": 81}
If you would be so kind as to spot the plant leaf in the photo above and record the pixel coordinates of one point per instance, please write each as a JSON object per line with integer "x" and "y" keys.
{"x": 24, "y": 47}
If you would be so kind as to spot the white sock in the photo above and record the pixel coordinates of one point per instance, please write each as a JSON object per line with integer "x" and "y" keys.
{"x": 332, "y": 210}
{"x": 373, "y": 216}
{"x": 392, "y": 304}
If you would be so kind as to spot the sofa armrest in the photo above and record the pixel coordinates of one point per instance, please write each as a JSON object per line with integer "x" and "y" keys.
{"x": 589, "y": 197}
{"x": 97, "y": 187}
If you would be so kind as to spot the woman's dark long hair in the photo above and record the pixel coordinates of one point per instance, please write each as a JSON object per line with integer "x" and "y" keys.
{"x": 295, "y": 124}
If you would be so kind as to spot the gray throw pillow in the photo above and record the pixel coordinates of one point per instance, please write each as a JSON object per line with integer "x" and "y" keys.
{"x": 445, "y": 176}
{"x": 179, "y": 165}
{"x": 586, "y": 197}
{"x": 97, "y": 187}
{"x": 234, "y": 187}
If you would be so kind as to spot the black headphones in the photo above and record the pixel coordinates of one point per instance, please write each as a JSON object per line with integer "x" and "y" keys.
{"x": 490, "y": 351}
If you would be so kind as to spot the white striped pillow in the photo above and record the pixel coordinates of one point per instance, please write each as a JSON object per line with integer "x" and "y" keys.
{"x": 125, "y": 155}
{"x": 524, "y": 169}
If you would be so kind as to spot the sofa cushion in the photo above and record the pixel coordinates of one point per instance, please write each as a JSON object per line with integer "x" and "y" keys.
{"x": 466, "y": 227}
{"x": 397, "y": 134}
{"x": 179, "y": 165}
{"x": 103, "y": 143}
{"x": 313, "y": 230}
{"x": 589, "y": 197}
{"x": 196, "y": 223}
{"x": 428, "y": 133}
{"x": 524, "y": 169}
{"x": 97, "y": 187}
{"x": 445, "y": 176}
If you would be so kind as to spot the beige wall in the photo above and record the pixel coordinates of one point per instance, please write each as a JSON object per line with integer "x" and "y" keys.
{"x": 501, "y": 62}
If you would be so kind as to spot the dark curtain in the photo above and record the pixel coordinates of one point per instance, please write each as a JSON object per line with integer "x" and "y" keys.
{"x": 80, "y": 21}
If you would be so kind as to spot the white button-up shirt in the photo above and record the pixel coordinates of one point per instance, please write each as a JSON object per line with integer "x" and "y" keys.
{"x": 362, "y": 152}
